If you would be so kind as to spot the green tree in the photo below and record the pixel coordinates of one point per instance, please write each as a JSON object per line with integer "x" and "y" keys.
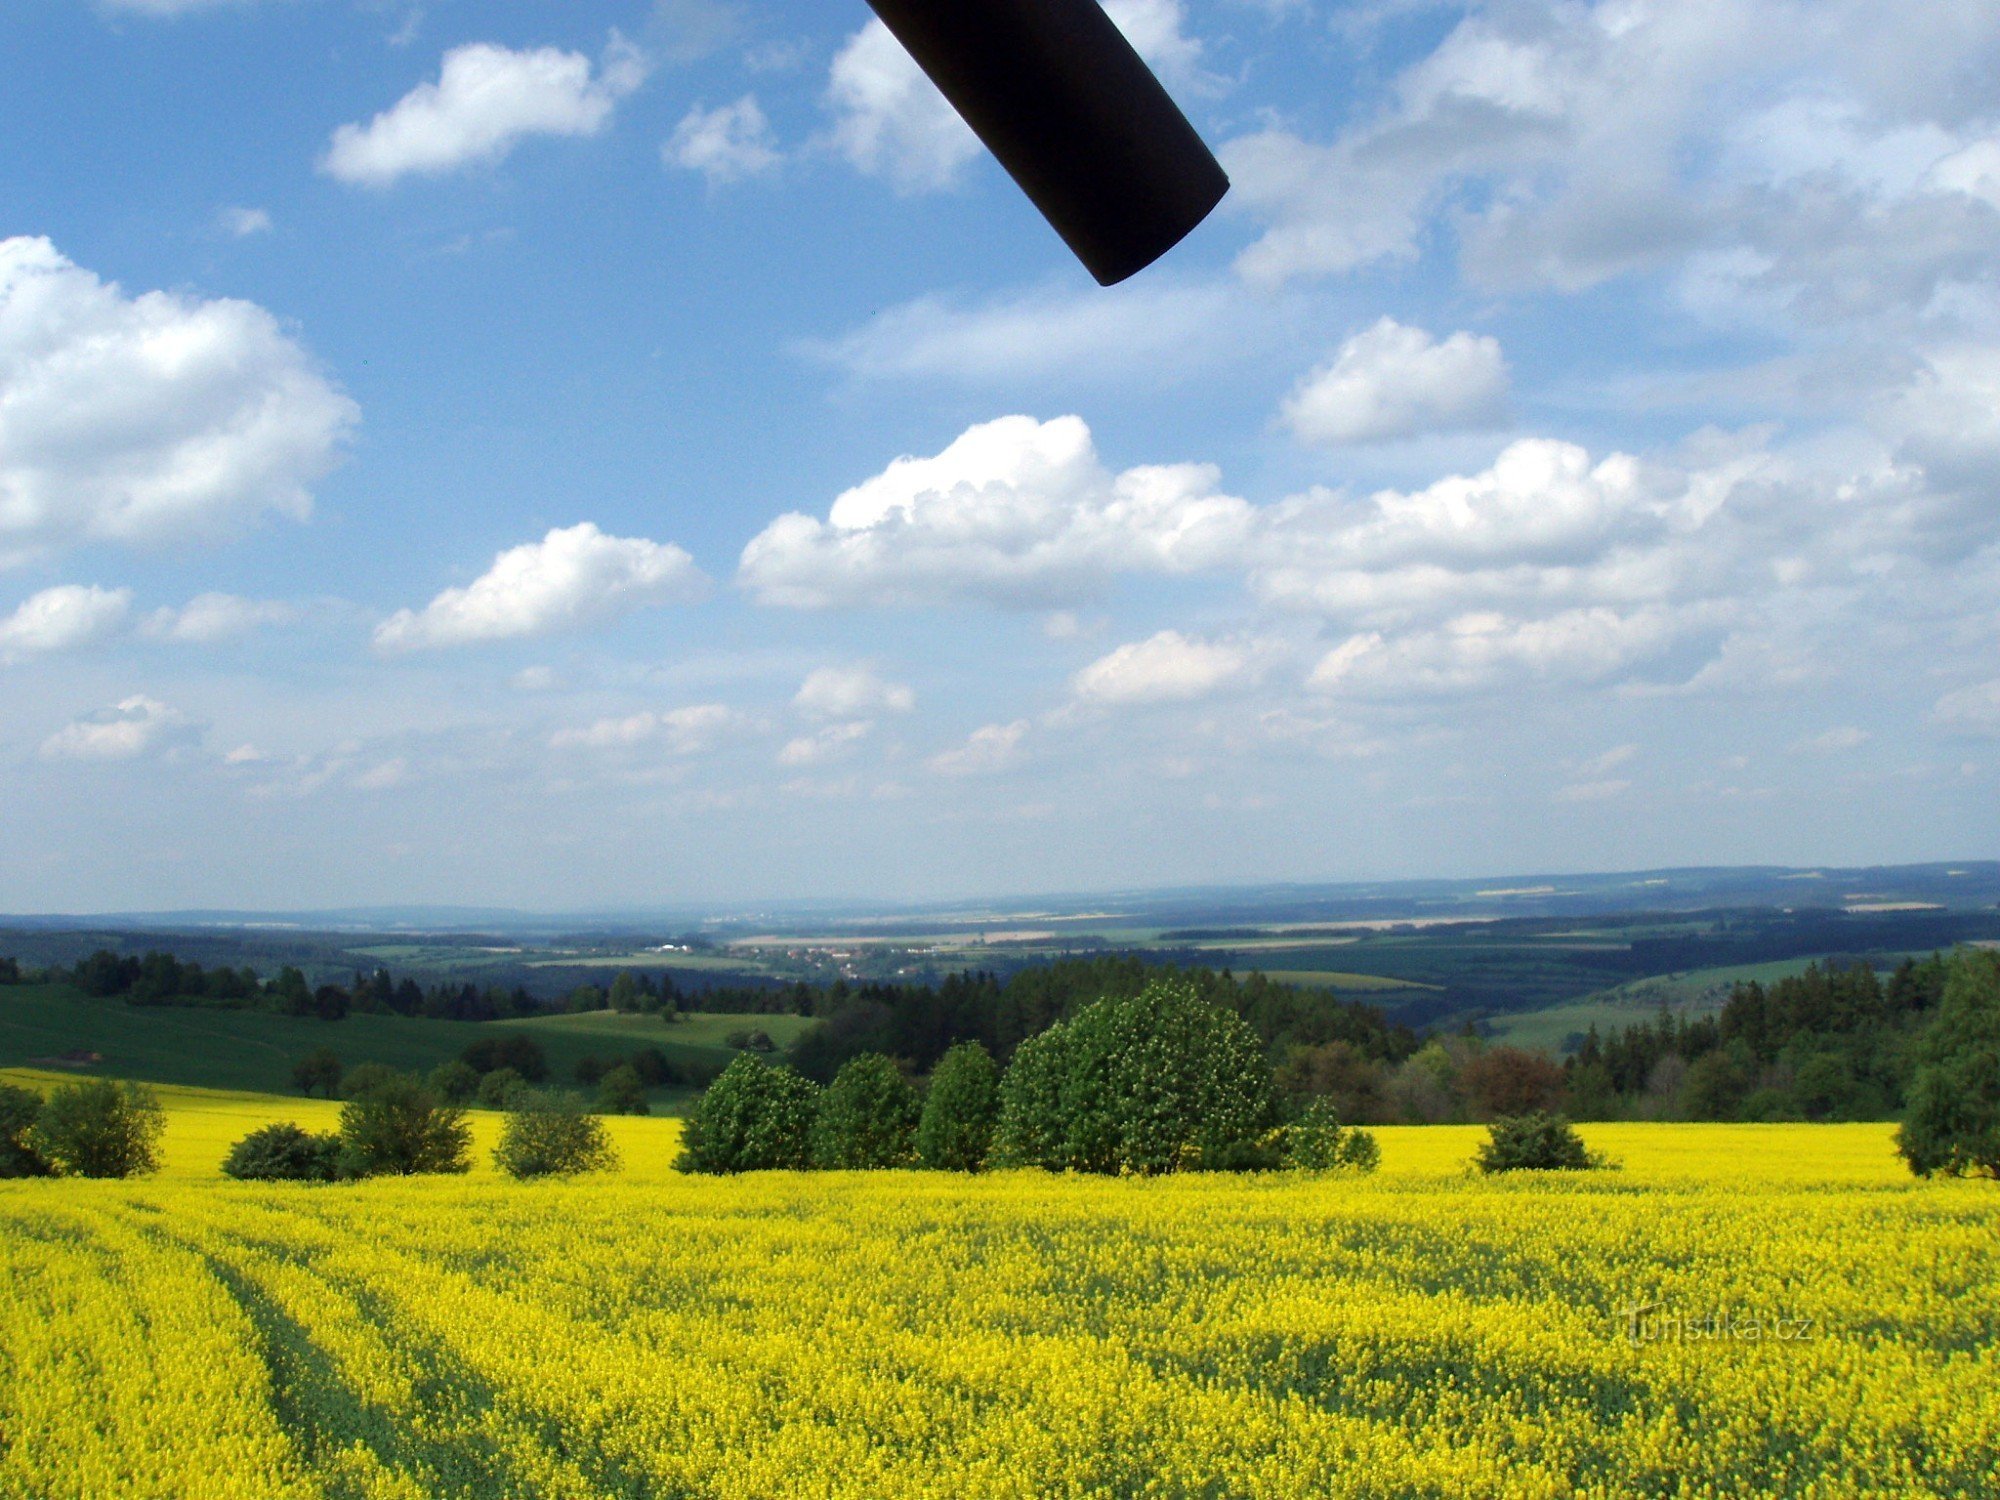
{"x": 549, "y": 1134}
{"x": 455, "y": 1081}
{"x": 955, "y": 1131}
{"x": 361, "y": 1081}
{"x": 283, "y": 1152}
{"x": 1717, "y": 1083}
{"x": 867, "y": 1117}
{"x": 1953, "y": 1124}
{"x": 753, "y": 1118}
{"x": 1592, "y": 1094}
{"x": 100, "y": 1129}
{"x": 1160, "y": 1081}
{"x": 1318, "y": 1142}
{"x": 1535, "y": 1143}
{"x": 622, "y": 1092}
{"x": 290, "y": 992}
{"x": 19, "y": 1109}
{"x": 510, "y": 1050}
{"x": 497, "y": 1089}
{"x": 318, "y": 1072}
{"x": 625, "y": 995}
{"x": 1032, "y": 1125}
{"x": 399, "y": 1129}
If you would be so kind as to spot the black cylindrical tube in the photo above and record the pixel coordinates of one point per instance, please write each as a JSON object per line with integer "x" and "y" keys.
{"x": 1074, "y": 115}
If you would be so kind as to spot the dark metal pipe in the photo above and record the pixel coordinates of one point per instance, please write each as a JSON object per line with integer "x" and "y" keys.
{"x": 1074, "y": 115}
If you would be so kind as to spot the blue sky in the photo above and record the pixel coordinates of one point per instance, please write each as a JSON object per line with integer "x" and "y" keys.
{"x": 585, "y": 454}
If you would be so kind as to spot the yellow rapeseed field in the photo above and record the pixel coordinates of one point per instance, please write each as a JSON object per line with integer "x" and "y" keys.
{"x": 1809, "y": 1322}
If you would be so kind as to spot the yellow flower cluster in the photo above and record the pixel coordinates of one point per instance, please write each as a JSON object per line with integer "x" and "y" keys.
{"x": 1741, "y": 1311}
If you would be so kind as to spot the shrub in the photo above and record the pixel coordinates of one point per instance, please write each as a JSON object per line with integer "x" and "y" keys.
{"x": 283, "y": 1153}
{"x": 1337, "y": 1071}
{"x": 509, "y": 1050}
{"x": 19, "y": 1109}
{"x": 955, "y": 1131}
{"x": 589, "y": 1071}
{"x": 362, "y": 1081}
{"x": 867, "y": 1117}
{"x": 1318, "y": 1142}
{"x": 399, "y": 1129}
{"x": 754, "y": 1117}
{"x": 750, "y": 1039}
{"x": 1535, "y": 1143}
{"x": 622, "y": 1092}
{"x": 318, "y": 1072}
{"x": 497, "y": 1089}
{"x": 1155, "y": 1082}
{"x": 1953, "y": 1125}
{"x": 99, "y": 1129}
{"x": 549, "y": 1134}
{"x": 455, "y": 1082}
{"x": 654, "y": 1067}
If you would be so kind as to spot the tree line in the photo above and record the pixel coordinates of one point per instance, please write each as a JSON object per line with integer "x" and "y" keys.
{"x": 1836, "y": 1042}
{"x": 492, "y": 1070}
{"x": 1161, "y": 1080}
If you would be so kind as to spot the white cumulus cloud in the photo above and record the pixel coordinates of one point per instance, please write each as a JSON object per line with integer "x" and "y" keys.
{"x": 1482, "y": 651}
{"x": 1393, "y": 381}
{"x": 573, "y": 576}
{"x": 1013, "y": 511}
{"x": 851, "y": 693}
{"x": 1973, "y": 710}
{"x": 830, "y": 743}
{"x": 210, "y": 618}
{"x": 678, "y": 731}
{"x": 242, "y": 223}
{"x": 62, "y": 619}
{"x": 726, "y": 144}
{"x": 137, "y": 726}
{"x": 156, "y": 417}
{"x": 1165, "y": 668}
{"x": 990, "y": 748}
{"x": 485, "y": 102}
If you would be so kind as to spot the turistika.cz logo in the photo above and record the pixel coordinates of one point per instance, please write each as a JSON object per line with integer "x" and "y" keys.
{"x": 1654, "y": 1323}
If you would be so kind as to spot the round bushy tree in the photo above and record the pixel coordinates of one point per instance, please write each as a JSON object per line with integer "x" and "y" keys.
{"x": 1159, "y": 1081}
{"x": 1535, "y": 1143}
{"x": 497, "y": 1089}
{"x": 455, "y": 1082}
{"x": 1318, "y": 1142}
{"x": 955, "y": 1131}
{"x": 867, "y": 1117}
{"x": 318, "y": 1072}
{"x": 400, "y": 1128}
{"x": 549, "y": 1134}
{"x": 622, "y": 1092}
{"x": 19, "y": 1109}
{"x": 753, "y": 1118}
{"x": 283, "y": 1152}
{"x": 1030, "y": 1130}
{"x": 100, "y": 1129}
{"x": 1953, "y": 1125}
{"x": 359, "y": 1082}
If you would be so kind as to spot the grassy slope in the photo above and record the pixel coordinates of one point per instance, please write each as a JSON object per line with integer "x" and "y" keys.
{"x": 1696, "y": 993}
{"x": 255, "y": 1051}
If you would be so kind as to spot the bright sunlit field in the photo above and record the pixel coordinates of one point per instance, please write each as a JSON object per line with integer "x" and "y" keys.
{"x": 1814, "y": 1322}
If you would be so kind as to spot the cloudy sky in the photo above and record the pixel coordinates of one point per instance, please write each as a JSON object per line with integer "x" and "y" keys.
{"x": 620, "y": 453}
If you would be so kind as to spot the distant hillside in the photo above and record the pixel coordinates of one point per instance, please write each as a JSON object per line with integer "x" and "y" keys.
{"x": 255, "y": 1050}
